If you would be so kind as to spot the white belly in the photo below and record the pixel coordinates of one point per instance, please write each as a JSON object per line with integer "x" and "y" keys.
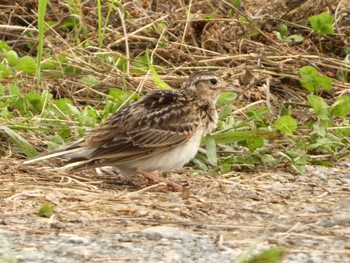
{"x": 172, "y": 159}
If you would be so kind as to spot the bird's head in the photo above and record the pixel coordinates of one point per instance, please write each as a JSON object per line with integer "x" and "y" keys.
{"x": 206, "y": 85}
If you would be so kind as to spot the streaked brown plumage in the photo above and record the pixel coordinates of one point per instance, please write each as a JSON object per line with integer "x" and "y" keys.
{"x": 162, "y": 131}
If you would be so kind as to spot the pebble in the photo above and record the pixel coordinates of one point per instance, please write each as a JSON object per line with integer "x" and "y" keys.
{"x": 341, "y": 219}
{"x": 169, "y": 233}
{"x": 77, "y": 240}
{"x": 29, "y": 256}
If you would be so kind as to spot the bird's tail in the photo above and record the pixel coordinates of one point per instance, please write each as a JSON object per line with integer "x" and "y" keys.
{"x": 74, "y": 151}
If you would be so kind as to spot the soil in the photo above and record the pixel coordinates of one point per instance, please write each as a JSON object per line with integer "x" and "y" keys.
{"x": 103, "y": 218}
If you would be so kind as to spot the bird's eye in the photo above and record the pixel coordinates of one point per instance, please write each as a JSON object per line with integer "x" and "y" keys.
{"x": 213, "y": 81}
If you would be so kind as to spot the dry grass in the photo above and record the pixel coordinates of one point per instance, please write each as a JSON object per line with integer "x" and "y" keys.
{"x": 240, "y": 209}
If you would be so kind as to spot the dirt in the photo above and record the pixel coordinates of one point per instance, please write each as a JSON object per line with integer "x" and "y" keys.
{"x": 103, "y": 218}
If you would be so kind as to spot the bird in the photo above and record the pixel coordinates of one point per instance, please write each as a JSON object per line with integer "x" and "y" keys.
{"x": 160, "y": 132}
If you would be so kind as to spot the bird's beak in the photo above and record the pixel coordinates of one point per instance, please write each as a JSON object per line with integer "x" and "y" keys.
{"x": 230, "y": 88}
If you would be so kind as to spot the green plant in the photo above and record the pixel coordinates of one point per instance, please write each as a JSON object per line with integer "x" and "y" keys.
{"x": 322, "y": 24}
{"x": 311, "y": 80}
{"x": 272, "y": 255}
{"x": 282, "y": 34}
{"x": 46, "y": 210}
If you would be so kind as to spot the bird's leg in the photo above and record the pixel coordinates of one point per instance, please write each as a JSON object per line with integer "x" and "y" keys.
{"x": 157, "y": 179}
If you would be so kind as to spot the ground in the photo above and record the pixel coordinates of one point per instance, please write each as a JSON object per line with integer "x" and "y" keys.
{"x": 100, "y": 218}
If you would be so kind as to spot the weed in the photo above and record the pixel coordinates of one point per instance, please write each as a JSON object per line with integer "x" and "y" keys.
{"x": 282, "y": 34}
{"x": 322, "y": 24}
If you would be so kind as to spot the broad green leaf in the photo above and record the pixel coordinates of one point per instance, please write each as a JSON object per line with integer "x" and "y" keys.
{"x": 254, "y": 143}
{"x": 226, "y": 97}
{"x": 90, "y": 80}
{"x": 341, "y": 106}
{"x": 66, "y": 107}
{"x": 324, "y": 82}
{"x": 312, "y": 81}
{"x": 319, "y": 128}
{"x": 14, "y": 90}
{"x": 322, "y": 23}
{"x": 286, "y": 124}
{"x": 22, "y": 144}
{"x": 11, "y": 57}
{"x": 4, "y": 46}
{"x": 26, "y": 64}
{"x": 73, "y": 110}
{"x": 319, "y": 105}
{"x": 4, "y": 71}
{"x": 225, "y": 112}
{"x": 308, "y": 77}
{"x": 35, "y": 100}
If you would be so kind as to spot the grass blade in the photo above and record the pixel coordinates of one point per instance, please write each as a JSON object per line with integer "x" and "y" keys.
{"x": 22, "y": 144}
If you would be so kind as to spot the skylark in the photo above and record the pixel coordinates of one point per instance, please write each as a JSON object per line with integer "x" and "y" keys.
{"x": 161, "y": 132}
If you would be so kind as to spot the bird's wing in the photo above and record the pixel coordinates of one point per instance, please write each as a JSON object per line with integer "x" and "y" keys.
{"x": 158, "y": 122}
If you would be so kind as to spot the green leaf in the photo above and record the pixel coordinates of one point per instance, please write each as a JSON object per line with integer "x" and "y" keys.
{"x": 254, "y": 143}
{"x": 225, "y": 112}
{"x": 22, "y": 144}
{"x": 90, "y": 80}
{"x": 308, "y": 77}
{"x": 236, "y": 3}
{"x": 322, "y": 23}
{"x": 211, "y": 150}
{"x": 14, "y": 90}
{"x": 286, "y": 124}
{"x": 226, "y": 97}
{"x": 159, "y": 83}
{"x": 341, "y": 106}
{"x": 324, "y": 82}
{"x": 35, "y": 100}
{"x": 66, "y": 106}
{"x": 26, "y": 64}
{"x": 273, "y": 255}
{"x": 4, "y": 71}
{"x": 46, "y": 210}
{"x": 11, "y": 57}
{"x": 312, "y": 81}
{"x": 4, "y": 46}
{"x": 121, "y": 63}
{"x": 278, "y": 35}
{"x": 237, "y": 136}
{"x": 294, "y": 38}
{"x": 139, "y": 65}
{"x": 319, "y": 105}
{"x": 283, "y": 30}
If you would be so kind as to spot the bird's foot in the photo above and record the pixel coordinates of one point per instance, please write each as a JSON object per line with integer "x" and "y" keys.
{"x": 157, "y": 179}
